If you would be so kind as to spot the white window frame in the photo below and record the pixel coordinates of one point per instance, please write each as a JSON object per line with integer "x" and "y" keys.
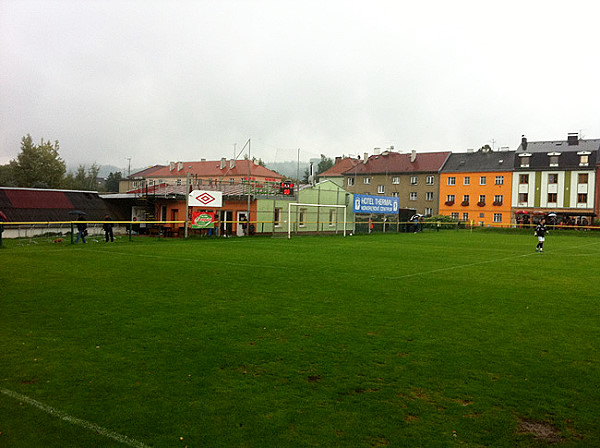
{"x": 451, "y": 180}
{"x": 414, "y": 180}
{"x": 412, "y": 196}
{"x": 497, "y": 217}
{"x": 429, "y": 195}
{"x": 482, "y": 180}
{"x": 430, "y": 180}
{"x": 350, "y": 181}
{"x": 367, "y": 180}
{"x": 381, "y": 189}
{"x": 499, "y": 180}
{"x": 396, "y": 180}
{"x": 467, "y": 180}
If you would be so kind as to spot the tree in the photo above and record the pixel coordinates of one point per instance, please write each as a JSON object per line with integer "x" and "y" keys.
{"x": 39, "y": 165}
{"x": 82, "y": 179}
{"x": 7, "y": 174}
{"x": 324, "y": 164}
{"x": 112, "y": 182}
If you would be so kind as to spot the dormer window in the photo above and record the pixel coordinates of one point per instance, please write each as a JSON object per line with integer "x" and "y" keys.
{"x": 554, "y": 158}
{"x": 525, "y": 160}
{"x": 584, "y": 158}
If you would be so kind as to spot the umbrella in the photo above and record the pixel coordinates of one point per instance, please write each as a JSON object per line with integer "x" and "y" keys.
{"x": 77, "y": 212}
{"x": 417, "y": 215}
{"x": 551, "y": 215}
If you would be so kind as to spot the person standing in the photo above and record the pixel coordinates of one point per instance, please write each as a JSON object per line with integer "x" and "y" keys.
{"x": 108, "y": 228}
{"x": 81, "y": 229}
{"x": 540, "y": 232}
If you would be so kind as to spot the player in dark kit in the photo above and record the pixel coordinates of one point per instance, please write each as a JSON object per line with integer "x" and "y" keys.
{"x": 540, "y": 232}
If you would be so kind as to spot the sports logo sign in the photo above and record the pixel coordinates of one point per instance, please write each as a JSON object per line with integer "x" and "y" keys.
{"x": 204, "y": 198}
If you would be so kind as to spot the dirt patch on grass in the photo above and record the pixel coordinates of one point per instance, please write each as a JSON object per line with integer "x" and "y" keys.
{"x": 541, "y": 430}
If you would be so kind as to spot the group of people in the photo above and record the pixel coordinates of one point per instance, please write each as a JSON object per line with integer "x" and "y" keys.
{"x": 82, "y": 232}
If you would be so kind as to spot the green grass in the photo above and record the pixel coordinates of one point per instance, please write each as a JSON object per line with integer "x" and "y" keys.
{"x": 433, "y": 340}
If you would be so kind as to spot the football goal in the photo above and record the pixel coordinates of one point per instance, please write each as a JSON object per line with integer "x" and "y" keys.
{"x": 296, "y": 204}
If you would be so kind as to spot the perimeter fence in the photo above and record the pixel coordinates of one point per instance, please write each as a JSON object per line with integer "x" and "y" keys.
{"x": 25, "y": 233}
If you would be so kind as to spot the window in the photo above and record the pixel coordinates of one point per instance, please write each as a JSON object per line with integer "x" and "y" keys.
{"x": 482, "y": 180}
{"x": 350, "y": 181}
{"x": 498, "y": 199}
{"x": 302, "y": 217}
{"x": 465, "y": 217}
{"x": 413, "y": 180}
{"x": 525, "y": 162}
{"x": 332, "y": 216}
{"x": 454, "y": 215}
{"x": 523, "y": 197}
{"x": 429, "y": 196}
{"x": 381, "y": 189}
{"x": 497, "y": 217}
{"x": 199, "y": 181}
{"x": 449, "y": 199}
{"x": 582, "y": 198}
{"x": 395, "y": 194}
{"x": 231, "y": 181}
{"x": 584, "y": 160}
{"x": 367, "y": 180}
{"x": 151, "y": 183}
{"x": 430, "y": 180}
{"x": 277, "y": 217}
{"x": 553, "y": 178}
{"x": 552, "y": 197}
{"x": 482, "y": 198}
{"x": 499, "y": 180}
{"x": 467, "y": 180}
{"x": 413, "y": 195}
{"x": 466, "y": 199}
{"x": 396, "y": 180}
{"x": 452, "y": 181}
{"x": 178, "y": 182}
{"x": 582, "y": 178}
{"x": 135, "y": 184}
{"x": 428, "y": 211}
{"x": 553, "y": 160}
{"x": 523, "y": 178}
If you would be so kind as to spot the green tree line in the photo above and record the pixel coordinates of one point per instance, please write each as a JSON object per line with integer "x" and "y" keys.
{"x": 40, "y": 166}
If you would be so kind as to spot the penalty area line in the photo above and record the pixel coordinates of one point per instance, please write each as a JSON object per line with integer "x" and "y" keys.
{"x": 74, "y": 420}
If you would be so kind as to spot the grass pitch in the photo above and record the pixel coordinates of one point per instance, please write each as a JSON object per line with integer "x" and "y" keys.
{"x": 432, "y": 339}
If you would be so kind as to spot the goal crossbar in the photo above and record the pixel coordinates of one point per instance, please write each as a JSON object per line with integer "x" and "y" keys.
{"x": 296, "y": 204}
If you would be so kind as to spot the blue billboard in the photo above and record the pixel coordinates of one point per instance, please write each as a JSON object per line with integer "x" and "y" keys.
{"x": 364, "y": 203}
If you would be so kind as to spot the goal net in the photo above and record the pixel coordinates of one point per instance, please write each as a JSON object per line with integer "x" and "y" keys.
{"x": 297, "y": 205}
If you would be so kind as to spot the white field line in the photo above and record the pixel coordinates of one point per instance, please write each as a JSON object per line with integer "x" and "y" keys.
{"x": 74, "y": 420}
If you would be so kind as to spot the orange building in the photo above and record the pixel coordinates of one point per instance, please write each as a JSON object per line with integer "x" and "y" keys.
{"x": 476, "y": 187}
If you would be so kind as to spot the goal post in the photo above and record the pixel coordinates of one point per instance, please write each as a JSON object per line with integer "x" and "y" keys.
{"x": 296, "y": 204}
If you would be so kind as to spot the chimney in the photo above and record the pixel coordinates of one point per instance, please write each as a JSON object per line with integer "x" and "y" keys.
{"x": 366, "y": 157}
{"x": 179, "y": 166}
{"x": 413, "y": 156}
{"x": 202, "y": 160}
{"x": 524, "y": 142}
{"x": 171, "y": 166}
{"x": 338, "y": 160}
{"x": 223, "y": 162}
{"x": 232, "y": 164}
{"x": 573, "y": 139}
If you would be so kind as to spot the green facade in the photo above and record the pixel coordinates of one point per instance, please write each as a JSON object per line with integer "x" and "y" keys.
{"x": 272, "y": 213}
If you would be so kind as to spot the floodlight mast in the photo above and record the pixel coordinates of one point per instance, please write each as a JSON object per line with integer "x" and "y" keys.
{"x": 296, "y": 204}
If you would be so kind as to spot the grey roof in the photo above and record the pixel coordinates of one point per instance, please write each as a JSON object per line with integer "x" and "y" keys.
{"x": 560, "y": 146}
{"x": 480, "y": 161}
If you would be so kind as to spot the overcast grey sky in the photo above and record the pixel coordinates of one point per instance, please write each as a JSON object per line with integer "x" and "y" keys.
{"x": 159, "y": 81}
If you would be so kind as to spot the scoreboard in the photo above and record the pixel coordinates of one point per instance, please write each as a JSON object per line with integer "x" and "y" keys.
{"x": 286, "y": 188}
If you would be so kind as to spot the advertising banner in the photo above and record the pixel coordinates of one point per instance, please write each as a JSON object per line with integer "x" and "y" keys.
{"x": 364, "y": 203}
{"x": 203, "y": 220}
{"x": 205, "y": 198}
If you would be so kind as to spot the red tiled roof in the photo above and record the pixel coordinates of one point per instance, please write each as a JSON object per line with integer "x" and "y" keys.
{"x": 146, "y": 172}
{"x": 339, "y": 168}
{"x": 393, "y": 162}
{"x": 242, "y": 168}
